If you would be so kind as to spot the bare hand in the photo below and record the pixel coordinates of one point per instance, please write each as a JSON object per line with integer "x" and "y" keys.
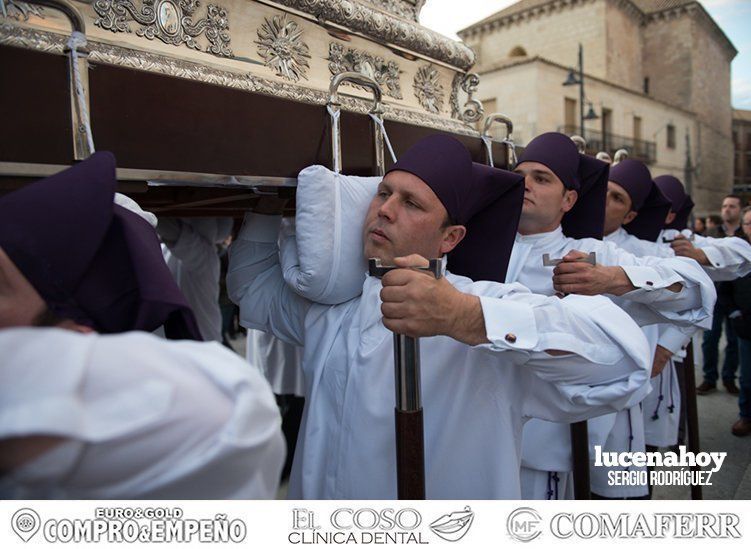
{"x": 20, "y": 303}
{"x": 417, "y": 304}
{"x": 574, "y": 276}
{"x": 683, "y": 247}
{"x": 662, "y": 355}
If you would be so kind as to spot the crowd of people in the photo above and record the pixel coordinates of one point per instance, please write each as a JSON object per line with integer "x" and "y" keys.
{"x": 732, "y": 315}
{"x": 569, "y": 291}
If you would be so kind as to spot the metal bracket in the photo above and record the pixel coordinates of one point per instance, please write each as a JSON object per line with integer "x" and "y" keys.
{"x": 547, "y": 262}
{"x": 334, "y": 108}
{"x": 77, "y": 64}
{"x": 507, "y": 140}
{"x": 669, "y": 240}
{"x": 378, "y": 269}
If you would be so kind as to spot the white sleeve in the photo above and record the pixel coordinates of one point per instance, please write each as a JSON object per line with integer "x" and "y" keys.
{"x": 607, "y": 364}
{"x": 256, "y": 284}
{"x": 188, "y": 244}
{"x": 149, "y": 418}
{"x": 730, "y": 257}
{"x": 674, "y": 339}
{"x": 652, "y": 302}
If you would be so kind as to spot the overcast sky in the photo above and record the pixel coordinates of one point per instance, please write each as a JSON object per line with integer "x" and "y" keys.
{"x": 734, "y": 16}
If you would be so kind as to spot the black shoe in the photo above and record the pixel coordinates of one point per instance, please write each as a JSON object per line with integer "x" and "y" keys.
{"x": 705, "y": 388}
{"x": 731, "y": 388}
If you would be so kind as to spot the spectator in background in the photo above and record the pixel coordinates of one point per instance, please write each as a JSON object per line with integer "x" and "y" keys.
{"x": 739, "y": 297}
{"x": 730, "y": 225}
{"x": 700, "y": 226}
{"x": 712, "y": 225}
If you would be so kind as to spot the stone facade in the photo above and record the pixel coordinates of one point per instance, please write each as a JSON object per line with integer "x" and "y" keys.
{"x": 668, "y": 67}
{"x": 536, "y": 113}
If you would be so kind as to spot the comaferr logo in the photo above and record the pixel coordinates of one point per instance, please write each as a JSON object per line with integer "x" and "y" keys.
{"x": 524, "y": 524}
{"x": 454, "y": 526}
{"x": 640, "y": 525}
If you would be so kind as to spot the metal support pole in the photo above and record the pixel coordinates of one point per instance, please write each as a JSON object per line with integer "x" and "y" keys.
{"x": 692, "y": 415}
{"x": 580, "y": 459}
{"x": 579, "y": 432}
{"x": 408, "y": 420}
{"x": 581, "y": 92}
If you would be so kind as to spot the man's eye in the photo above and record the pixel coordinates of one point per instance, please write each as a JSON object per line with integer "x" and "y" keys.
{"x": 412, "y": 204}
{"x": 383, "y": 194}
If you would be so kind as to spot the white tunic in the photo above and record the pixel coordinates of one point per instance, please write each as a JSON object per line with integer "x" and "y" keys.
{"x": 280, "y": 362}
{"x": 475, "y": 399}
{"x": 661, "y": 407}
{"x": 193, "y": 260}
{"x": 547, "y": 446}
{"x": 143, "y": 418}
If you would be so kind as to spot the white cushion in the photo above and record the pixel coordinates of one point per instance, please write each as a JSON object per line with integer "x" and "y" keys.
{"x": 321, "y": 254}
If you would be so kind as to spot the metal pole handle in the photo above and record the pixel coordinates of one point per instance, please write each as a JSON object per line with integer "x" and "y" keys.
{"x": 580, "y": 142}
{"x": 507, "y": 140}
{"x": 619, "y": 156}
{"x": 83, "y": 141}
{"x": 334, "y": 108}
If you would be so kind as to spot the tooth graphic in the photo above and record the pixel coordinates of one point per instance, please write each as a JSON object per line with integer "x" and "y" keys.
{"x": 454, "y": 526}
{"x": 25, "y": 523}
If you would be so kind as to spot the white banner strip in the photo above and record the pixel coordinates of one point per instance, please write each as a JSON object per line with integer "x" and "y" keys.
{"x": 272, "y": 524}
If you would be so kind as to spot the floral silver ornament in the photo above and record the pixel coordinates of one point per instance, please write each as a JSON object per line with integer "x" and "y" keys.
{"x": 386, "y": 73}
{"x": 171, "y": 21}
{"x": 428, "y": 89}
{"x": 20, "y": 10}
{"x": 281, "y": 47}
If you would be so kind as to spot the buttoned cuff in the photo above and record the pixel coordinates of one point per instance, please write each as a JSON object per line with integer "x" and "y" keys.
{"x": 509, "y": 324}
{"x": 260, "y": 228}
{"x": 714, "y": 256}
{"x": 673, "y": 339}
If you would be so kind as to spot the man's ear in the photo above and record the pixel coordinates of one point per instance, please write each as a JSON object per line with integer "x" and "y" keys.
{"x": 452, "y": 235}
{"x": 630, "y": 216}
{"x": 670, "y": 218}
{"x": 569, "y": 199}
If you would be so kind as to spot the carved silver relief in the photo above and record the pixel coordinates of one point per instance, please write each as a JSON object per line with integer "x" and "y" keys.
{"x": 428, "y": 89}
{"x": 473, "y": 109}
{"x": 376, "y": 23}
{"x": 20, "y": 11}
{"x": 343, "y": 59}
{"x": 12, "y": 35}
{"x": 171, "y": 21}
{"x": 281, "y": 47}
{"x": 408, "y": 9}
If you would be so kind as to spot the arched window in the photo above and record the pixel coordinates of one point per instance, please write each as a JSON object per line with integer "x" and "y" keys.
{"x": 518, "y": 51}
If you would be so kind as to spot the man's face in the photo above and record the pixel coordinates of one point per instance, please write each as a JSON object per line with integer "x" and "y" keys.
{"x": 406, "y": 217}
{"x": 731, "y": 210}
{"x": 545, "y": 198}
{"x": 746, "y": 224}
{"x": 20, "y": 303}
{"x": 617, "y": 208}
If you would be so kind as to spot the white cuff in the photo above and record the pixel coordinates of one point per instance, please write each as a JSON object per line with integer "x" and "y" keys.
{"x": 260, "y": 228}
{"x": 714, "y": 256}
{"x": 673, "y": 339}
{"x": 509, "y": 324}
{"x": 645, "y": 278}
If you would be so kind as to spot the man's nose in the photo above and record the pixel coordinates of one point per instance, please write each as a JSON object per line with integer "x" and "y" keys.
{"x": 387, "y": 209}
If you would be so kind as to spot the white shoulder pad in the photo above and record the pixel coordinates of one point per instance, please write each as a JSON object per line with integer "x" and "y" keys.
{"x": 323, "y": 260}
